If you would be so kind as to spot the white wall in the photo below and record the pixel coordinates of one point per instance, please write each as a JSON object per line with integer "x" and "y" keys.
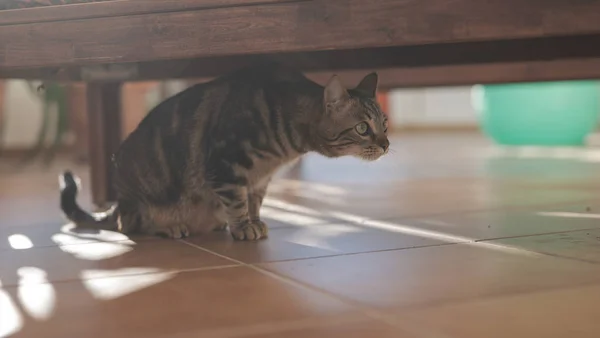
{"x": 22, "y": 115}
{"x": 23, "y": 112}
{"x": 444, "y": 106}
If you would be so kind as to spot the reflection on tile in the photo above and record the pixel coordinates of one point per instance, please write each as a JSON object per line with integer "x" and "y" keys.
{"x": 583, "y": 245}
{"x": 511, "y": 223}
{"x": 403, "y": 199}
{"x": 70, "y": 261}
{"x": 347, "y": 327}
{"x": 311, "y": 241}
{"x": 280, "y": 218}
{"x": 435, "y": 275}
{"x": 271, "y": 249}
{"x": 570, "y": 312}
{"x": 422, "y": 178}
{"x": 216, "y": 303}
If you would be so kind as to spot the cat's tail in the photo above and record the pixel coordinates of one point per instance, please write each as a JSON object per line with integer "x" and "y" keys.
{"x": 69, "y": 187}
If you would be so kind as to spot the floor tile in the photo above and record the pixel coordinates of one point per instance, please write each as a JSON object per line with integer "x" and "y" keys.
{"x": 352, "y": 229}
{"x": 29, "y": 196}
{"x": 77, "y": 261}
{"x": 570, "y": 312}
{"x": 434, "y": 196}
{"x": 583, "y": 245}
{"x": 214, "y": 303}
{"x": 348, "y": 327}
{"x": 311, "y": 241}
{"x": 435, "y": 275}
{"x": 510, "y": 223}
{"x": 398, "y": 199}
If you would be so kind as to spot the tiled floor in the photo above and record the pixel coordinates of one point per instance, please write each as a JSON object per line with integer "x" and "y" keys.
{"x": 446, "y": 237}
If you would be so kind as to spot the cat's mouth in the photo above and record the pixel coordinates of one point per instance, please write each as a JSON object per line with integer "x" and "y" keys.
{"x": 366, "y": 154}
{"x": 372, "y": 154}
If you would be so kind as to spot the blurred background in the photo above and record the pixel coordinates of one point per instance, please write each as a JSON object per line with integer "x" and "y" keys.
{"x": 38, "y": 122}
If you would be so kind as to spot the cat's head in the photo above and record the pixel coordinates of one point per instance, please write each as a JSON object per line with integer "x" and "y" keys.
{"x": 353, "y": 123}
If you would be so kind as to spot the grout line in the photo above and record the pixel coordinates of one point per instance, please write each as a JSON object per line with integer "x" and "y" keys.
{"x": 371, "y": 313}
{"x": 538, "y": 234}
{"x": 544, "y": 253}
{"x": 344, "y": 254}
{"x": 516, "y": 208}
{"x": 176, "y": 271}
{"x": 568, "y": 258}
{"x": 362, "y": 221}
{"x": 212, "y": 252}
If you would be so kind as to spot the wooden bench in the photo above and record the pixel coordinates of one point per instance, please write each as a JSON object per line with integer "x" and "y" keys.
{"x": 410, "y": 42}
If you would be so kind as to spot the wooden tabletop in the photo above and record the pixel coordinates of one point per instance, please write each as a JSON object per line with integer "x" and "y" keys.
{"x": 430, "y": 41}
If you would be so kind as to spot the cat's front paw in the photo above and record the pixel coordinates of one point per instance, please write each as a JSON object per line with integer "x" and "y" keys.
{"x": 251, "y": 231}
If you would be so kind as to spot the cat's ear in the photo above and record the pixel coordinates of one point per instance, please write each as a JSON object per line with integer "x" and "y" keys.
{"x": 335, "y": 91}
{"x": 368, "y": 85}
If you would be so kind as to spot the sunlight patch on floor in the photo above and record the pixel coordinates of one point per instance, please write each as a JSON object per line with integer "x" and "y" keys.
{"x": 36, "y": 295}
{"x": 319, "y": 237}
{"x": 289, "y": 217}
{"x": 275, "y": 203}
{"x": 309, "y": 186}
{"x": 404, "y": 229}
{"x": 568, "y": 214}
{"x": 11, "y": 320}
{"x": 19, "y": 242}
{"x": 104, "y": 235}
{"x": 83, "y": 249}
{"x": 315, "y": 191}
{"x": 112, "y": 284}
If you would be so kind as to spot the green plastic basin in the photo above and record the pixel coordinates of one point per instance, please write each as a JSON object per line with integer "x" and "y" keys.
{"x": 548, "y": 113}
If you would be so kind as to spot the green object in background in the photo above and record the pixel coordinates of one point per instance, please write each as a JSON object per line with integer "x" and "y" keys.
{"x": 546, "y": 113}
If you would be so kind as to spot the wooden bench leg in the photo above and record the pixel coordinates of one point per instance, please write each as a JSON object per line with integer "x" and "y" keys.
{"x": 104, "y": 111}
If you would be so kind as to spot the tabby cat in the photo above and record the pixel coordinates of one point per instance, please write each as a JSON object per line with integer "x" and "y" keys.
{"x": 202, "y": 159}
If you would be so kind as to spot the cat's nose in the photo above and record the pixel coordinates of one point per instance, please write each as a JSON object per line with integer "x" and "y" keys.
{"x": 385, "y": 144}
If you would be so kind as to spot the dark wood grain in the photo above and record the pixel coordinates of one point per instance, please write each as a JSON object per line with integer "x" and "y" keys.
{"x": 502, "y": 51}
{"x": 117, "y": 8}
{"x": 453, "y": 75}
{"x": 104, "y": 112}
{"x": 459, "y": 75}
{"x": 557, "y": 58}
{"x": 287, "y": 27}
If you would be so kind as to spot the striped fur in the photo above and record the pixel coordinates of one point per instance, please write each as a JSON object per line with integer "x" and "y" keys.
{"x": 202, "y": 159}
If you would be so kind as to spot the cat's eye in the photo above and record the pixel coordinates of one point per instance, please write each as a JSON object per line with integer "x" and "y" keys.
{"x": 362, "y": 128}
{"x": 385, "y": 126}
